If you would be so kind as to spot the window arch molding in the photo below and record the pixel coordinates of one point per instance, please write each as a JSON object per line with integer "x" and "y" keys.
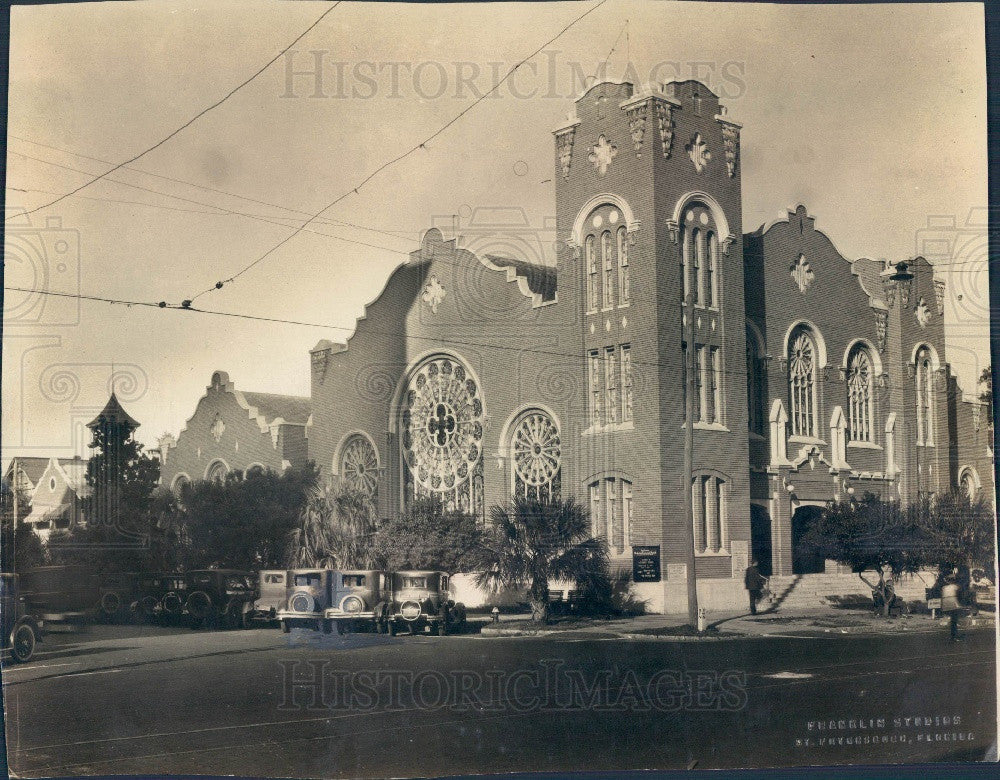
{"x": 338, "y": 452}
{"x": 935, "y": 363}
{"x": 724, "y": 234}
{"x": 817, "y": 337}
{"x": 256, "y": 465}
{"x": 970, "y": 474}
{"x": 179, "y": 478}
{"x": 215, "y": 465}
{"x": 872, "y": 355}
{"x": 756, "y": 380}
{"x": 507, "y": 441}
{"x": 604, "y": 199}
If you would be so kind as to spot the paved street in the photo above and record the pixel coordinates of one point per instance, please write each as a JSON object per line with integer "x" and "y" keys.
{"x": 156, "y": 701}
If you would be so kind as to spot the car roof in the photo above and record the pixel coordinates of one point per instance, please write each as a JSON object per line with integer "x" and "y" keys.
{"x": 420, "y": 572}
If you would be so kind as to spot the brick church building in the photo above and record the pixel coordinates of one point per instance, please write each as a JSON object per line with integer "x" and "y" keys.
{"x": 478, "y": 377}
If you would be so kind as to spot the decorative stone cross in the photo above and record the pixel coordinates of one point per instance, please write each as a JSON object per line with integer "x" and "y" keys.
{"x": 698, "y": 152}
{"x": 441, "y": 425}
{"x": 433, "y": 294}
{"x": 802, "y": 273}
{"x": 601, "y": 154}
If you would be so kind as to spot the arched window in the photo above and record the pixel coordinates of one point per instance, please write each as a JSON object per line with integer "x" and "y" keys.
{"x": 969, "y": 484}
{"x": 756, "y": 390}
{"x": 711, "y": 269}
{"x": 611, "y": 512}
{"x": 536, "y": 453}
{"x": 925, "y": 397}
{"x": 624, "y": 292}
{"x": 859, "y": 395}
{"x": 698, "y": 250}
{"x": 802, "y": 383}
{"x": 708, "y": 494}
{"x": 593, "y": 280}
{"x": 216, "y": 471}
{"x": 255, "y": 470}
{"x": 359, "y": 465}
{"x": 608, "y": 263}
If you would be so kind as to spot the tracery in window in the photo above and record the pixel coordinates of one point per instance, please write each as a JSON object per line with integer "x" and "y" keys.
{"x": 624, "y": 283}
{"x": 925, "y": 397}
{"x": 359, "y": 465}
{"x": 537, "y": 457}
{"x": 802, "y": 383}
{"x": 859, "y": 395}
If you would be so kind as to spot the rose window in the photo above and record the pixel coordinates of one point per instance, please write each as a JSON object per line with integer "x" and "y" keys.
{"x": 536, "y": 455}
{"x": 359, "y": 466}
{"x": 442, "y": 434}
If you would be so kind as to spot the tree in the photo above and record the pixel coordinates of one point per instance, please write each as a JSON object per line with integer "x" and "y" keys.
{"x": 334, "y": 531}
{"x": 872, "y": 535}
{"x": 242, "y": 523}
{"x": 530, "y": 542}
{"x": 986, "y": 395}
{"x": 429, "y": 537}
{"x": 20, "y": 548}
{"x": 959, "y": 531}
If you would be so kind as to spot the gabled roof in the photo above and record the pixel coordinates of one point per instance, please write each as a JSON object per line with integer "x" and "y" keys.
{"x": 113, "y": 413}
{"x": 292, "y": 409}
{"x": 32, "y": 467}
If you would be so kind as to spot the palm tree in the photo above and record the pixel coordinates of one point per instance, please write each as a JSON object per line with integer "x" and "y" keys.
{"x": 530, "y": 542}
{"x": 335, "y": 532}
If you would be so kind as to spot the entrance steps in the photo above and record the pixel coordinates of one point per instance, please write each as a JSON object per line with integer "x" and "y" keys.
{"x": 826, "y": 589}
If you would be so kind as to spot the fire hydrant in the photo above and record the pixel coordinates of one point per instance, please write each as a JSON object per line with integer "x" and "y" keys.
{"x": 496, "y": 614}
{"x": 701, "y": 620}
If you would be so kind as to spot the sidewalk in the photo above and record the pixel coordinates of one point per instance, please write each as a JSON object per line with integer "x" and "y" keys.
{"x": 798, "y": 623}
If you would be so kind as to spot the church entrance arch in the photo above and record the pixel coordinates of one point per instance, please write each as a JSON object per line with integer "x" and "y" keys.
{"x": 805, "y": 558}
{"x": 760, "y": 538}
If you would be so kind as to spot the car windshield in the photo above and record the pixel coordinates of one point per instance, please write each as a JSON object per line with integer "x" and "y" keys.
{"x": 415, "y": 582}
{"x": 274, "y": 579}
{"x": 353, "y": 580}
{"x": 236, "y": 583}
{"x": 307, "y": 580}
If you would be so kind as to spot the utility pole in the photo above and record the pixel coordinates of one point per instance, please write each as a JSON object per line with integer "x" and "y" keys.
{"x": 688, "y": 475}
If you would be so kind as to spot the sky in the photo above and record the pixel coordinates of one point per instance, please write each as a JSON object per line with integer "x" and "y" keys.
{"x": 872, "y": 116}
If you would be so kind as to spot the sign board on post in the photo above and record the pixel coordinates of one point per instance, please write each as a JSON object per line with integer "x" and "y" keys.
{"x": 646, "y": 563}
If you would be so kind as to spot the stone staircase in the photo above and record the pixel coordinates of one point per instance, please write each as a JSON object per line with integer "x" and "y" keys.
{"x": 803, "y": 591}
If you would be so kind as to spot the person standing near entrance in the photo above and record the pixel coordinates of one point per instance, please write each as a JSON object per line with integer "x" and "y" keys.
{"x": 754, "y": 582}
{"x": 951, "y": 603}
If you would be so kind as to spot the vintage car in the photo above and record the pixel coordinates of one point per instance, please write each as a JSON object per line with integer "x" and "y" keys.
{"x": 220, "y": 597}
{"x": 118, "y": 591}
{"x": 174, "y": 596}
{"x": 356, "y": 598}
{"x": 21, "y": 630}
{"x": 272, "y": 595}
{"x": 984, "y": 592}
{"x": 61, "y": 594}
{"x": 309, "y": 592}
{"x": 421, "y": 599}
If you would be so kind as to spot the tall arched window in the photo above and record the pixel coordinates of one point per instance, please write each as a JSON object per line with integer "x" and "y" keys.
{"x": 359, "y": 468}
{"x": 708, "y": 494}
{"x": 859, "y": 395}
{"x": 537, "y": 456}
{"x": 698, "y": 255}
{"x": 216, "y": 472}
{"x": 624, "y": 292}
{"x": 802, "y": 383}
{"x": 756, "y": 392}
{"x": 711, "y": 269}
{"x": 968, "y": 483}
{"x": 925, "y": 397}
{"x": 611, "y": 512}
{"x": 685, "y": 264}
{"x": 608, "y": 263}
{"x": 593, "y": 280}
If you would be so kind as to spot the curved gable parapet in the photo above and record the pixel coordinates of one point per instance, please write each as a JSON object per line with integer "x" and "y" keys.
{"x": 797, "y": 218}
{"x": 537, "y": 282}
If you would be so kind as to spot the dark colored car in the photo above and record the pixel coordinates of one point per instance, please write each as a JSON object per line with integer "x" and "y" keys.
{"x": 161, "y": 597}
{"x": 309, "y": 592}
{"x": 60, "y": 593}
{"x": 220, "y": 597}
{"x": 421, "y": 599}
{"x": 21, "y": 629}
{"x": 118, "y": 591}
{"x": 358, "y": 596}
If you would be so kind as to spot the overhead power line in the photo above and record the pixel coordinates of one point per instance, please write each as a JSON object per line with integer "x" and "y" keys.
{"x": 399, "y": 158}
{"x": 193, "y": 119}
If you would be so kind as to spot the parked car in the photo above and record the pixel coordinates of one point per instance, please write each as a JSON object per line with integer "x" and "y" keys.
{"x": 220, "y": 597}
{"x": 21, "y": 629}
{"x": 357, "y": 597}
{"x": 309, "y": 592}
{"x": 984, "y": 592}
{"x": 118, "y": 591}
{"x": 421, "y": 599}
{"x": 272, "y": 595}
{"x": 61, "y": 594}
{"x": 160, "y": 597}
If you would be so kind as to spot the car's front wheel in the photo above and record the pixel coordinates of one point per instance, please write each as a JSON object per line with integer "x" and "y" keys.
{"x": 22, "y": 643}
